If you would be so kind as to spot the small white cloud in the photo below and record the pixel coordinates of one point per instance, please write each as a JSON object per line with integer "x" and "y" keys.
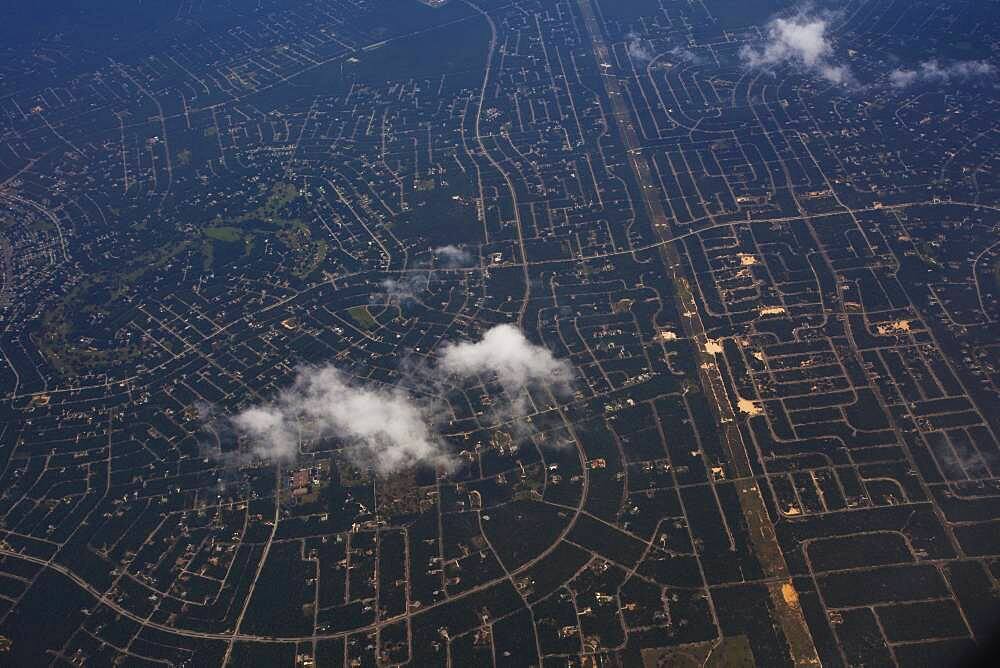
{"x": 798, "y": 41}
{"x": 680, "y": 54}
{"x": 517, "y": 363}
{"x": 270, "y": 425}
{"x": 901, "y": 78}
{"x": 453, "y": 256}
{"x": 407, "y": 287}
{"x": 383, "y": 428}
{"x": 638, "y": 49}
{"x": 388, "y": 428}
{"x": 932, "y": 71}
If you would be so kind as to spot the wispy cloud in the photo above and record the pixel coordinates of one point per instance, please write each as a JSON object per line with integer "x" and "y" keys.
{"x": 505, "y": 356}
{"x": 800, "y": 41}
{"x": 391, "y": 428}
{"x": 932, "y": 71}
{"x": 685, "y": 55}
{"x": 407, "y": 287}
{"x": 453, "y": 256}
{"x": 382, "y": 427}
{"x": 638, "y": 49}
{"x": 505, "y": 353}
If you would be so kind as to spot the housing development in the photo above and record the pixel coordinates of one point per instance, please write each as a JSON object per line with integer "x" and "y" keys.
{"x": 499, "y": 333}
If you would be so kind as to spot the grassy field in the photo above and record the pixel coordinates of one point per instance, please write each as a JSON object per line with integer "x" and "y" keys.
{"x": 731, "y": 652}
{"x": 229, "y": 234}
{"x": 361, "y": 316}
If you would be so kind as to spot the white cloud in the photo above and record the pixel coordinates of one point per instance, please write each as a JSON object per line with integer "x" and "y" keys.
{"x": 388, "y": 428}
{"x": 901, "y": 78}
{"x": 637, "y": 49}
{"x": 517, "y": 363}
{"x": 453, "y": 256}
{"x": 933, "y": 71}
{"x": 798, "y": 41}
{"x": 406, "y": 287}
{"x": 684, "y": 55}
{"x": 384, "y": 428}
{"x": 270, "y": 425}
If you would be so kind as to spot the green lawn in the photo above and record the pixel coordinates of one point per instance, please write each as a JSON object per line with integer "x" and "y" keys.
{"x": 362, "y": 317}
